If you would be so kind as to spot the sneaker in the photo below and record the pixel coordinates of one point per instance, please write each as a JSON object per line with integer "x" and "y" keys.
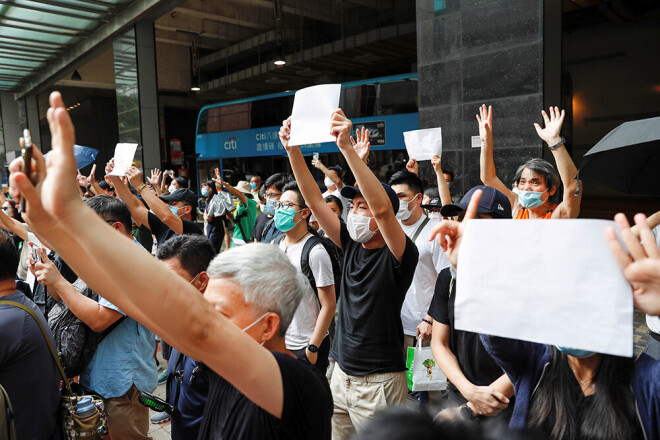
{"x": 162, "y": 377}
{"x": 160, "y": 417}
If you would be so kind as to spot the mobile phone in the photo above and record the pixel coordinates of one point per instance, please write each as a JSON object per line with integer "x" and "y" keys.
{"x": 27, "y": 160}
{"x": 316, "y": 156}
{"x": 35, "y": 255}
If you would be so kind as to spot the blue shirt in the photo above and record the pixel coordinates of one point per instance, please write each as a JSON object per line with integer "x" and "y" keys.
{"x": 123, "y": 358}
{"x": 193, "y": 393}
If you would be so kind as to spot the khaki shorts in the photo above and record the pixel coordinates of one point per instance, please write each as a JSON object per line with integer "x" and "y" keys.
{"x": 357, "y": 398}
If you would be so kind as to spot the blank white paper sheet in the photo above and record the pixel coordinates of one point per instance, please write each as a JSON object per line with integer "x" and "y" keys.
{"x": 422, "y": 144}
{"x": 310, "y": 117}
{"x": 124, "y": 154}
{"x": 548, "y": 281}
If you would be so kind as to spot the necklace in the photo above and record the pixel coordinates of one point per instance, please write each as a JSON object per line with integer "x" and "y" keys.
{"x": 584, "y": 383}
{"x": 286, "y": 248}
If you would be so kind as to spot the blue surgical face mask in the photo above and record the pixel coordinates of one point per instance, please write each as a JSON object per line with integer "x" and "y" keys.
{"x": 576, "y": 353}
{"x": 253, "y": 185}
{"x": 530, "y": 199}
{"x": 269, "y": 209}
{"x": 205, "y": 191}
{"x": 284, "y": 219}
{"x": 175, "y": 210}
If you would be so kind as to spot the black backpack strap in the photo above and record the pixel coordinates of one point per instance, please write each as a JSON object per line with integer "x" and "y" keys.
{"x": 419, "y": 229}
{"x": 237, "y": 222}
{"x": 264, "y": 233}
{"x": 304, "y": 261}
{"x": 50, "y": 345}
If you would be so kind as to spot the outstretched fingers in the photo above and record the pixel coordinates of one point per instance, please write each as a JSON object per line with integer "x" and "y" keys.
{"x": 471, "y": 211}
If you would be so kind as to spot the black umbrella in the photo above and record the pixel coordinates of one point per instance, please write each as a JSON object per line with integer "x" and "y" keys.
{"x": 627, "y": 159}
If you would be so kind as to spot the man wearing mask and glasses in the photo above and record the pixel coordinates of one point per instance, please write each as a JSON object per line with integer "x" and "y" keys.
{"x": 379, "y": 264}
{"x": 308, "y": 331}
{"x": 264, "y": 227}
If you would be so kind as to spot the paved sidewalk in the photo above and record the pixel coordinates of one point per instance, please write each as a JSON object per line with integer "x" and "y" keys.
{"x": 162, "y": 431}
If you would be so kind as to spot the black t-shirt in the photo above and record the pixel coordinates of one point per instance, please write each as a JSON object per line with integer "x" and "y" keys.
{"x": 163, "y": 232}
{"x": 259, "y": 225}
{"x": 369, "y": 335}
{"x": 28, "y": 371}
{"x": 306, "y": 413}
{"x": 475, "y": 362}
{"x": 42, "y": 299}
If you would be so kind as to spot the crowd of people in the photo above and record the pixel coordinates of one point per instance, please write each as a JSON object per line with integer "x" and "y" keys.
{"x": 296, "y": 324}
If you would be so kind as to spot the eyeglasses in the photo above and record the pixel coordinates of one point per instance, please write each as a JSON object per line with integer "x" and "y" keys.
{"x": 279, "y": 204}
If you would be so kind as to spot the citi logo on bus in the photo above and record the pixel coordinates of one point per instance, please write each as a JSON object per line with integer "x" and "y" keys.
{"x": 231, "y": 144}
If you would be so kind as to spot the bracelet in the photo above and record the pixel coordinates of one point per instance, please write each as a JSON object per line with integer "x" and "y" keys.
{"x": 140, "y": 188}
{"x": 427, "y": 321}
{"x": 561, "y": 142}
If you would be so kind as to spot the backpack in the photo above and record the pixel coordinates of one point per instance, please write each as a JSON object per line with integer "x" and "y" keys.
{"x": 271, "y": 234}
{"x": 336, "y": 256}
{"x": 7, "y": 430}
{"x": 75, "y": 342}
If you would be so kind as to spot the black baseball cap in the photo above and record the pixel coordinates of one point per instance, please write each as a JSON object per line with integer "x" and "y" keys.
{"x": 349, "y": 192}
{"x": 181, "y": 195}
{"x": 492, "y": 203}
{"x": 433, "y": 203}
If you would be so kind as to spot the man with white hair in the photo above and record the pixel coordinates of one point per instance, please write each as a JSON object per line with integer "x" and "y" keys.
{"x": 259, "y": 390}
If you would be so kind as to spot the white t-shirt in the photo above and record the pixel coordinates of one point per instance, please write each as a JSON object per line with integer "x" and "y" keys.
{"x": 344, "y": 201}
{"x": 29, "y": 277}
{"x": 303, "y": 323}
{"x": 653, "y": 322}
{"x": 432, "y": 260}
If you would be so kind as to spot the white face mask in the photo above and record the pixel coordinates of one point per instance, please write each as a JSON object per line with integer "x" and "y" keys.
{"x": 404, "y": 213}
{"x": 358, "y": 228}
{"x": 254, "y": 323}
{"x": 435, "y": 215}
{"x": 171, "y": 188}
{"x": 328, "y": 182}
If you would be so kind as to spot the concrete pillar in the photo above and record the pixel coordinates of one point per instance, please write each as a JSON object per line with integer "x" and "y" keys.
{"x": 10, "y": 122}
{"x": 475, "y": 52}
{"x": 148, "y": 90}
{"x": 32, "y": 108}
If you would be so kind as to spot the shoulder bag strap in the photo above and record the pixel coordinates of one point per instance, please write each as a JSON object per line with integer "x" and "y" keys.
{"x": 43, "y": 332}
{"x": 419, "y": 229}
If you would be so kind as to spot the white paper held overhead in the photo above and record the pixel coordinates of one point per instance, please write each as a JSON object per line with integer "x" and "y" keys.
{"x": 551, "y": 282}
{"x": 124, "y": 154}
{"x": 310, "y": 117}
{"x": 422, "y": 144}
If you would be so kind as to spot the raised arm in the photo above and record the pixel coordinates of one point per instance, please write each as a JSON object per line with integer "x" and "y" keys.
{"x": 308, "y": 187}
{"x": 138, "y": 211}
{"x": 370, "y": 187}
{"x": 486, "y": 162}
{"x": 14, "y": 226}
{"x": 154, "y": 180}
{"x": 570, "y": 204}
{"x": 329, "y": 174}
{"x": 141, "y": 286}
{"x": 233, "y": 191}
{"x": 443, "y": 188}
{"x": 158, "y": 207}
{"x": 96, "y": 189}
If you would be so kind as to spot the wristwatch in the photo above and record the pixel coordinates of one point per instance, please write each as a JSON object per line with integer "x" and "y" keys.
{"x": 466, "y": 412}
{"x": 313, "y": 348}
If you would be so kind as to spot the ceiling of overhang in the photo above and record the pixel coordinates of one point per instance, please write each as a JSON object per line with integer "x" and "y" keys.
{"x": 234, "y": 42}
{"x": 33, "y": 33}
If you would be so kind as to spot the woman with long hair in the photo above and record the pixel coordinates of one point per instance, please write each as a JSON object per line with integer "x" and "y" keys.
{"x": 563, "y": 393}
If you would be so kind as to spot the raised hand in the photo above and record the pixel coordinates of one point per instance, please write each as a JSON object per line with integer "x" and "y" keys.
{"x": 44, "y": 271}
{"x": 412, "y": 166}
{"x": 155, "y": 177}
{"x": 318, "y": 164}
{"x": 550, "y": 134}
{"x": 92, "y": 174}
{"x": 82, "y": 180}
{"x": 341, "y": 128}
{"x": 285, "y": 133}
{"x": 485, "y": 119}
{"x": 362, "y": 146}
{"x": 436, "y": 162}
{"x": 54, "y": 199}
{"x": 450, "y": 232}
{"x": 641, "y": 264}
{"x": 134, "y": 176}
